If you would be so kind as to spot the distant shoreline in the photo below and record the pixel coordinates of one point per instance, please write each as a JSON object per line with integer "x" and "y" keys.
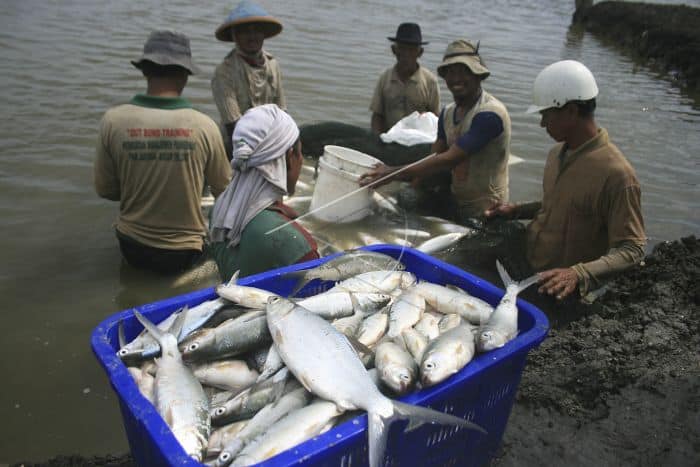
{"x": 667, "y": 37}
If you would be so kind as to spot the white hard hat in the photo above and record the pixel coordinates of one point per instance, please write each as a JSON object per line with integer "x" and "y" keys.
{"x": 562, "y": 82}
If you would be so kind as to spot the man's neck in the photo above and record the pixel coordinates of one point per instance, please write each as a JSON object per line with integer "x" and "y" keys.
{"x": 162, "y": 88}
{"x": 467, "y": 102}
{"x": 406, "y": 71}
{"x": 583, "y": 133}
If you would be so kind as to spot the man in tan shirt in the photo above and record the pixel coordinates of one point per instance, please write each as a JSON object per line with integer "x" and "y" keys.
{"x": 472, "y": 145}
{"x": 248, "y": 76}
{"x": 155, "y": 155}
{"x": 407, "y": 86}
{"x": 589, "y": 223}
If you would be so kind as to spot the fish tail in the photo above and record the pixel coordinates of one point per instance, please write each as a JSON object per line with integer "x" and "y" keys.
{"x": 416, "y": 415}
{"x": 507, "y": 281}
{"x": 378, "y": 432}
{"x": 300, "y": 277}
{"x": 150, "y": 327}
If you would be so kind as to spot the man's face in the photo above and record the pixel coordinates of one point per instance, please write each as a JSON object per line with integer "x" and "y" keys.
{"x": 249, "y": 37}
{"x": 556, "y": 121}
{"x": 462, "y": 83}
{"x": 407, "y": 54}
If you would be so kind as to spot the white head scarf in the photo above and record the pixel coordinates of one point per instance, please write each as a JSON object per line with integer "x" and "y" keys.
{"x": 260, "y": 140}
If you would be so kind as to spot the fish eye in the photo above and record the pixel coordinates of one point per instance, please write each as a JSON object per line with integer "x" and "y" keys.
{"x": 219, "y": 411}
{"x": 192, "y": 347}
{"x": 429, "y": 366}
{"x": 122, "y": 352}
{"x": 224, "y": 456}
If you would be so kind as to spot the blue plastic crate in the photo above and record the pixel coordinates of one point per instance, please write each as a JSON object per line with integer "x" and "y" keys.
{"x": 483, "y": 392}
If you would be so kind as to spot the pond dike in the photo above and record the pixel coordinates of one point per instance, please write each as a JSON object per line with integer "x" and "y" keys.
{"x": 666, "y": 37}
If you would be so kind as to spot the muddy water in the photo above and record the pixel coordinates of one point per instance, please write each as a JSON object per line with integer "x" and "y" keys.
{"x": 65, "y": 63}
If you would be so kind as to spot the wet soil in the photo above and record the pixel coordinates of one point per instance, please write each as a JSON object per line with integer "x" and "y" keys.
{"x": 617, "y": 385}
{"x": 621, "y": 384}
{"x": 664, "y": 37}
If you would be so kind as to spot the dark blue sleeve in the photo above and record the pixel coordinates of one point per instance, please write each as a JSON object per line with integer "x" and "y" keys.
{"x": 485, "y": 127}
{"x": 441, "y": 126}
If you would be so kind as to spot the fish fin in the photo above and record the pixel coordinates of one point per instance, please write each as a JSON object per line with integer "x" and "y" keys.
{"x": 300, "y": 276}
{"x": 416, "y": 413}
{"x": 177, "y": 325}
{"x": 279, "y": 381}
{"x": 234, "y": 278}
{"x": 525, "y": 283}
{"x": 150, "y": 327}
{"x": 359, "y": 347}
{"x": 120, "y": 332}
{"x": 505, "y": 277}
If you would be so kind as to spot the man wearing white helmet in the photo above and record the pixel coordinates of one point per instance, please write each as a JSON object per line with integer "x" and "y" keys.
{"x": 588, "y": 225}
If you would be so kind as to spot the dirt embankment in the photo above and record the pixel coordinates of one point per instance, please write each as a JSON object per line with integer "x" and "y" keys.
{"x": 621, "y": 385}
{"x": 667, "y": 37}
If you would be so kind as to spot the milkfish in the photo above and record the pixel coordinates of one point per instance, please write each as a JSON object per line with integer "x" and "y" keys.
{"x": 447, "y": 354}
{"x": 405, "y": 312}
{"x": 346, "y": 265}
{"x": 324, "y": 362}
{"x": 441, "y": 242}
{"x": 262, "y": 420}
{"x": 396, "y": 366}
{"x": 376, "y": 281}
{"x": 341, "y": 303}
{"x": 179, "y": 396}
{"x": 446, "y": 300}
{"x": 230, "y": 338}
{"x": 296, "y": 427}
{"x": 502, "y": 326}
{"x": 249, "y": 297}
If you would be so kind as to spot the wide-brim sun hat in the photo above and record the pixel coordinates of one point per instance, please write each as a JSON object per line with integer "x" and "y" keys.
{"x": 248, "y": 12}
{"x": 167, "y": 48}
{"x": 466, "y": 53}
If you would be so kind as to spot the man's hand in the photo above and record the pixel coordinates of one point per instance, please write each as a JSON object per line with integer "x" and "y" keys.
{"x": 506, "y": 210}
{"x": 377, "y": 173}
{"x": 559, "y": 282}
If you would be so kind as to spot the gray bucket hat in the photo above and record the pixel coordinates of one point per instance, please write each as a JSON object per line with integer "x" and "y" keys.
{"x": 464, "y": 52}
{"x": 167, "y": 48}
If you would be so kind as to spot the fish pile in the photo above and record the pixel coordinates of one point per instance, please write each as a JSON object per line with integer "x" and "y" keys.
{"x": 250, "y": 374}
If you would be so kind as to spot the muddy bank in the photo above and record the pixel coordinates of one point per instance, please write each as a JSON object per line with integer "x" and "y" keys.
{"x": 618, "y": 386}
{"x": 621, "y": 385}
{"x": 666, "y": 37}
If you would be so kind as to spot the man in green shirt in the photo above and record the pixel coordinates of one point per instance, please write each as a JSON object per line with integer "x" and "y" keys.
{"x": 155, "y": 155}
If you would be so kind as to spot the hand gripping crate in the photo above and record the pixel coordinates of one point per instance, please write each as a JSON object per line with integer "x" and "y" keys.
{"x": 483, "y": 391}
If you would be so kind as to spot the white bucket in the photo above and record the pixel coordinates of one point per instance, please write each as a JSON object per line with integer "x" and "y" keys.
{"x": 339, "y": 170}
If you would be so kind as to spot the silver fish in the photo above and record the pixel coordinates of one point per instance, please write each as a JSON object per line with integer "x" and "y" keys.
{"x": 446, "y": 301}
{"x": 325, "y": 363}
{"x": 377, "y": 282}
{"x": 340, "y": 304}
{"x": 447, "y": 354}
{"x": 405, "y": 312}
{"x": 262, "y": 420}
{"x": 396, "y": 366}
{"x": 222, "y": 436}
{"x": 502, "y": 326}
{"x": 349, "y": 264}
{"x": 441, "y": 242}
{"x": 296, "y": 427}
{"x": 230, "y": 375}
{"x": 250, "y": 297}
{"x": 372, "y": 328}
{"x": 179, "y": 396}
{"x": 231, "y": 338}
